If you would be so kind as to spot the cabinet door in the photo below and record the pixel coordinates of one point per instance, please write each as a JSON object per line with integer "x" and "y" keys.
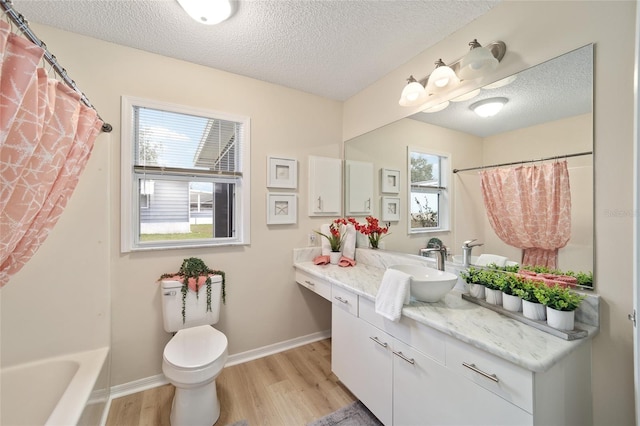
{"x": 427, "y": 393}
{"x": 325, "y": 186}
{"x": 359, "y": 179}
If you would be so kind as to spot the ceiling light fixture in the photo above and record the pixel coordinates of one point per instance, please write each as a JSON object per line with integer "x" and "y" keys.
{"x": 208, "y": 12}
{"x": 445, "y": 77}
{"x": 488, "y": 107}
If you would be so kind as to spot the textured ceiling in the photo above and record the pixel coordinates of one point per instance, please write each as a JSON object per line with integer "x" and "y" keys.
{"x": 326, "y": 47}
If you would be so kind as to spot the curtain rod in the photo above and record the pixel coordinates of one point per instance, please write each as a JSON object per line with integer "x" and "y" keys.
{"x": 578, "y": 154}
{"x": 23, "y": 26}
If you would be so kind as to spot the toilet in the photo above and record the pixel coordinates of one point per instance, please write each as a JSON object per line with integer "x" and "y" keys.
{"x": 196, "y": 354}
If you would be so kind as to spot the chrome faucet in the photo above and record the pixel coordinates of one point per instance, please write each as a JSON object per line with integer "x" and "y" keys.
{"x": 466, "y": 251}
{"x": 441, "y": 254}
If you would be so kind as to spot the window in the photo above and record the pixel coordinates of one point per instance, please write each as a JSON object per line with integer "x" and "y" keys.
{"x": 185, "y": 176}
{"x": 428, "y": 196}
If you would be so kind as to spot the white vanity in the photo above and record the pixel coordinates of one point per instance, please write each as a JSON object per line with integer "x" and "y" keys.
{"x": 449, "y": 362}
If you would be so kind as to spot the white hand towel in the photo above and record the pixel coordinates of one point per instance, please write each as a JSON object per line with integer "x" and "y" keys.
{"x": 392, "y": 294}
{"x": 326, "y": 246}
{"x": 485, "y": 259}
{"x": 349, "y": 243}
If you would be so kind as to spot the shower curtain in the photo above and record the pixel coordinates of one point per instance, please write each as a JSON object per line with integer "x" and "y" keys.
{"x": 46, "y": 137}
{"x": 529, "y": 207}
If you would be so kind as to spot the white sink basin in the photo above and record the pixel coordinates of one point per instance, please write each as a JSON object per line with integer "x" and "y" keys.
{"x": 428, "y": 284}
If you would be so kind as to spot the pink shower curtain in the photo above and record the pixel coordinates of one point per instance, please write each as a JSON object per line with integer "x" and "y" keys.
{"x": 529, "y": 207}
{"x": 46, "y": 137}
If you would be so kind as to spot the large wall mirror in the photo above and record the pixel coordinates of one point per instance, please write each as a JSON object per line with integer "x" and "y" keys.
{"x": 549, "y": 113}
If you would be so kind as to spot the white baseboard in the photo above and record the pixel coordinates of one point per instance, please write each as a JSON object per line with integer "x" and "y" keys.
{"x": 239, "y": 358}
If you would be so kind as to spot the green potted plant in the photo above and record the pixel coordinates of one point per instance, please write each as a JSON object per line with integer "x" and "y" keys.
{"x": 193, "y": 274}
{"x": 531, "y": 306}
{"x": 561, "y": 304}
{"x": 494, "y": 283}
{"x": 473, "y": 278}
{"x": 510, "y": 300}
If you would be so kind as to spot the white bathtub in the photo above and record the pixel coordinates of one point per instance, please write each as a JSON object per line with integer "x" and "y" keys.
{"x": 53, "y": 391}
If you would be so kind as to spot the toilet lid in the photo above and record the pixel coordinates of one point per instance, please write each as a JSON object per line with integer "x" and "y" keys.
{"x": 195, "y": 347}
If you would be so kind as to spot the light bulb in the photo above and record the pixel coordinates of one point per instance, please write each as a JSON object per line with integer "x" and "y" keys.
{"x": 413, "y": 93}
{"x": 208, "y": 12}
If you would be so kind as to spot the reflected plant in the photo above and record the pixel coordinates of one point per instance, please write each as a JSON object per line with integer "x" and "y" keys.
{"x": 426, "y": 216}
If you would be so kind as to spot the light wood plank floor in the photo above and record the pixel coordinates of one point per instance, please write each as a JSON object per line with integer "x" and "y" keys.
{"x": 290, "y": 388}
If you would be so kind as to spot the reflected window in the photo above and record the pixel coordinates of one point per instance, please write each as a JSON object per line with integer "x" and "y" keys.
{"x": 428, "y": 197}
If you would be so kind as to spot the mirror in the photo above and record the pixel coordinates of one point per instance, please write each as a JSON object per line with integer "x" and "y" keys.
{"x": 549, "y": 113}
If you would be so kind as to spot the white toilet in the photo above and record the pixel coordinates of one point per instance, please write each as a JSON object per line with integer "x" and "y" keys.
{"x": 195, "y": 355}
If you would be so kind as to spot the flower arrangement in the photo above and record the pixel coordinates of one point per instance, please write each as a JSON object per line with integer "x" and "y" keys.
{"x": 373, "y": 230}
{"x": 336, "y": 235}
{"x": 193, "y": 274}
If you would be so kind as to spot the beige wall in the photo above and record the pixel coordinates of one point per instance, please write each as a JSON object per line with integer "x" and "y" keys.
{"x": 264, "y": 306}
{"x": 534, "y": 32}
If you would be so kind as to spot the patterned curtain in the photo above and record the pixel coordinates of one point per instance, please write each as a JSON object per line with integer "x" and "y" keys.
{"x": 529, "y": 207}
{"x": 46, "y": 137}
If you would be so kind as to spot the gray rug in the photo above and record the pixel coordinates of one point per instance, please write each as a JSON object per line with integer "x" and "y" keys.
{"x": 355, "y": 414}
{"x": 239, "y": 423}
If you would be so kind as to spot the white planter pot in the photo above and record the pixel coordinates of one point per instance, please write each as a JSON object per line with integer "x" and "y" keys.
{"x": 511, "y": 303}
{"x": 534, "y": 311}
{"x": 561, "y": 320}
{"x": 476, "y": 290}
{"x": 334, "y": 257}
{"x": 493, "y": 297}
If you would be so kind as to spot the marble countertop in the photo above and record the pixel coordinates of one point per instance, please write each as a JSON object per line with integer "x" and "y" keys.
{"x": 483, "y": 328}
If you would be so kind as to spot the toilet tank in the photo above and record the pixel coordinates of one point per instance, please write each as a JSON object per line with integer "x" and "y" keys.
{"x": 195, "y": 305}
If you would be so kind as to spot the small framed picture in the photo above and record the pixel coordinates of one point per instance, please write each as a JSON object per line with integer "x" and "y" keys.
{"x": 389, "y": 181}
{"x": 282, "y": 172}
{"x": 390, "y": 209}
{"x": 281, "y": 209}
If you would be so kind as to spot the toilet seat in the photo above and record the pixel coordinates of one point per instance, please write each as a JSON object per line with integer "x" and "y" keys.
{"x": 195, "y": 348}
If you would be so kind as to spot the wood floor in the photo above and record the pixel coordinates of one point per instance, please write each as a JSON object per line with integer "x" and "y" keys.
{"x": 291, "y": 388}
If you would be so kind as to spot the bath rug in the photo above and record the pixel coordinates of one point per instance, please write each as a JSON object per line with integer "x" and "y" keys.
{"x": 355, "y": 414}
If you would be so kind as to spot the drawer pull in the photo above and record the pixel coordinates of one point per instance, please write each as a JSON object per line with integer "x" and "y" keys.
{"x": 475, "y": 369}
{"x": 309, "y": 282}
{"x": 401, "y": 355}
{"x": 375, "y": 339}
{"x": 340, "y": 299}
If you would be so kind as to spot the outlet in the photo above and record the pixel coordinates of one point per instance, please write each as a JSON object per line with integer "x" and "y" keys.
{"x": 312, "y": 239}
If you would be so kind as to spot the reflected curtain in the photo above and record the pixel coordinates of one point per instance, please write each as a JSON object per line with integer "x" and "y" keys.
{"x": 46, "y": 137}
{"x": 529, "y": 207}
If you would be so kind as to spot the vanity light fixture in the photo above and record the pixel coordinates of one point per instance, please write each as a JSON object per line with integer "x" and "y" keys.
{"x": 445, "y": 77}
{"x": 442, "y": 78}
{"x": 477, "y": 63}
{"x": 413, "y": 93}
{"x": 208, "y": 12}
{"x": 488, "y": 107}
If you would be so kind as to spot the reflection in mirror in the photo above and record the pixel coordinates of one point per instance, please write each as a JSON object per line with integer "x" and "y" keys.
{"x": 548, "y": 113}
{"x": 428, "y": 196}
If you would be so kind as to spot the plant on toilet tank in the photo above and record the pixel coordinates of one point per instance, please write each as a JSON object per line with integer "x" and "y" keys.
{"x": 193, "y": 274}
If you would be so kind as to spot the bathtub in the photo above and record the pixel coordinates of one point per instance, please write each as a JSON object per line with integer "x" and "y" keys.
{"x": 54, "y": 391}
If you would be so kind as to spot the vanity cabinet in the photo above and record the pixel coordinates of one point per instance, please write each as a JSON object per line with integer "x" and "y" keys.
{"x": 317, "y": 285}
{"x": 359, "y": 188}
{"x": 325, "y": 186}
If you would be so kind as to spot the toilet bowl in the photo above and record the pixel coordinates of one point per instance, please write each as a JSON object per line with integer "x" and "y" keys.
{"x": 192, "y": 360}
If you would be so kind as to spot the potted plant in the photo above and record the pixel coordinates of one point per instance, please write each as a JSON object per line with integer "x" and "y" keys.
{"x": 494, "y": 283}
{"x": 531, "y": 306}
{"x": 473, "y": 278}
{"x": 373, "y": 231}
{"x": 193, "y": 274}
{"x": 336, "y": 237}
{"x": 510, "y": 300}
{"x": 561, "y": 304}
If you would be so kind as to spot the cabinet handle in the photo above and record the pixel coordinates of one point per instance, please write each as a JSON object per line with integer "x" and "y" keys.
{"x": 368, "y": 203}
{"x": 309, "y": 282}
{"x": 340, "y": 299}
{"x": 475, "y": 369}
{"x": 401, "y": 355}
{"x": 375, "y": 339}
{"x": 319, "y": 203}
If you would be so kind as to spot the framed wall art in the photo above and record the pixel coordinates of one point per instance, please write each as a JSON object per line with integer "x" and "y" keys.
{"x": 389, "y": 181}
{"x": 390, "y": 209}
{"x": 281, "y": 209}
{"x": 282, "y": 172}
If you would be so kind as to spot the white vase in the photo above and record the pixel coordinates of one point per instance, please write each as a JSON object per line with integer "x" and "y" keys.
{"x": 561, "y": 320}
{"x": 534, "y": 311}
{"x": 334, "y": 257}
{"x": 511, "y": 303}
{"x": 493, "y": 297}
{"x": 476, "y": 290}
